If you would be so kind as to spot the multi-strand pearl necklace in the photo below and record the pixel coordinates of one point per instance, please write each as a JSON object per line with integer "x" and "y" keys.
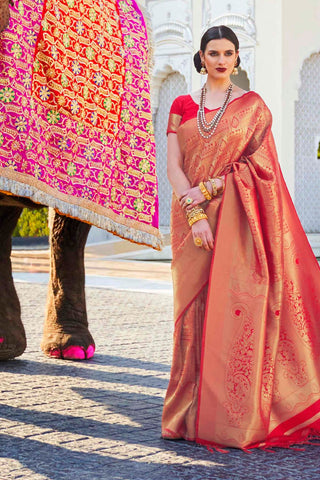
{"x": 207, "y": 129}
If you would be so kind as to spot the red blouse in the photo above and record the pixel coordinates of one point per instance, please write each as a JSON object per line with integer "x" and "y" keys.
{"x": 184, "y": 108}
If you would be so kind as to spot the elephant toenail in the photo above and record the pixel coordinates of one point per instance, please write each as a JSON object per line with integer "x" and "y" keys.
{"x": 55, "y": 353}
{"x": 74, "y": 353}
{"x": 90, "y": 351}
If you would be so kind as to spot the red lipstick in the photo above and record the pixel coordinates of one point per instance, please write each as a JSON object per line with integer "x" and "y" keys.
{"x": 221, "y": 69}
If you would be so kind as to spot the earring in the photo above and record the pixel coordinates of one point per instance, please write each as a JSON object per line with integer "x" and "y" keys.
{"x": 203, "y": 70}
{"x": 235, "y": 71}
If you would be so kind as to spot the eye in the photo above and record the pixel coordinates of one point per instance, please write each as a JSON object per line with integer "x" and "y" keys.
{"x": 228, "y": 54}
{"x": 213, "y": 54}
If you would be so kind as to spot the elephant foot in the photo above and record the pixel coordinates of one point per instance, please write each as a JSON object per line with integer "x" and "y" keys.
{"x": 12, "y": 341}
{"x": 73, "y": 353}
{"x": 68, "y": 347}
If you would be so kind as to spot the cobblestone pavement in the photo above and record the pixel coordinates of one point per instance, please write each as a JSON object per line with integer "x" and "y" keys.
{"x": 100, "y": 419}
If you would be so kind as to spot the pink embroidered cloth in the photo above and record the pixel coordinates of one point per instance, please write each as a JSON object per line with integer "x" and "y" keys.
{"x": 76, "y": 127}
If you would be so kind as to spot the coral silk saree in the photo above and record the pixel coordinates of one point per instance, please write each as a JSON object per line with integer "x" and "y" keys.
{"x": 250, "y": 376}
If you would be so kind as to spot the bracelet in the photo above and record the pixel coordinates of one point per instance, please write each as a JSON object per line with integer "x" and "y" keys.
{"x": 214, "y": 187}
{"x": 215, "y": 190}
{"x": 221, "y": 190}
{"x": 193, "y": 211}
{"x": 195, "y": 214}
{"x": 196, "y": 218}
{"x": 205, "y": 191}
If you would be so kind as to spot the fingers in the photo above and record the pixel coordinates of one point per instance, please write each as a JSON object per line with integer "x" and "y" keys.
{"x": 187, "y": 203}
{"x": 210, "y": 243}
{"x": 182, "y": 202}
{"x": 183, "y": 197}
{"x": 203, "y": 241}
{"x": 207, "y": 244}
{"x": 189, "y": 206}
{"x": 195, "y": 203}
{"x": 191, "y": 198}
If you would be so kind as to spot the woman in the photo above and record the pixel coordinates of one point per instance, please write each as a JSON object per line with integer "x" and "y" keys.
{"x": 246, "y": 361}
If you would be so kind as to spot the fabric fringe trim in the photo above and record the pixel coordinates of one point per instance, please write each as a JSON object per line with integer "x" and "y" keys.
{"x": 83, "y": 214}
{"x": 295, "y": 441}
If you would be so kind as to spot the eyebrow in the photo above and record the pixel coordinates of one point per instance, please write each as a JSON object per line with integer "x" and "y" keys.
{"x": 229, "y": 50}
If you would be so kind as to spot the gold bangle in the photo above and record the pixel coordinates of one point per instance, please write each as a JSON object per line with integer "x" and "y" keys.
{"x": 196, "y": 218}
{"x": 221, "y": 190}
{"x": 195, "y": 214}
{"x": 216, "y": 190}
{"x": 214, "y": 187}
{"x": 193, "y": 211}
{"x": 205, "y": 191}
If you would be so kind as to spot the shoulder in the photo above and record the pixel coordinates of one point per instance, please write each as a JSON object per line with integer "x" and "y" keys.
{"x": 180, "y": 104}
{"x": 254, "y": 97}
{"x": 255, "y": 101}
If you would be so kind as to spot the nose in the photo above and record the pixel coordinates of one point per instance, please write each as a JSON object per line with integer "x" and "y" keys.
{"x": 221, "y": 59}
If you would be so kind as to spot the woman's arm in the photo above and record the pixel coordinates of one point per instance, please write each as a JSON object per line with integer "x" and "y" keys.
{"x": 177, "y": 178}
{"x": 181, "y": 186}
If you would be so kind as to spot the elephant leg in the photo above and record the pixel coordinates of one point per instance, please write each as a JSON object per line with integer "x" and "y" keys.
{"x": 4, "y": 14}
{"x": 12, "y": 334}
{"x": 66, "y": 333}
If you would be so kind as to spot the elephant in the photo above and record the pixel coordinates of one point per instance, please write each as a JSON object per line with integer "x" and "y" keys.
{"x": 125, "y": 187}
{"x": 66, "y": 333}
{"x": 4, "y": 13}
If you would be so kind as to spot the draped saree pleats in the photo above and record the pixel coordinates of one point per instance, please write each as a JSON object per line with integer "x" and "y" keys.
{"x": 182, "y": 395}
{"x": 258, "y": 381}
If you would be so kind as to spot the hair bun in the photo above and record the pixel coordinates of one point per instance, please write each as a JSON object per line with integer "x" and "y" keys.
{"x": 197, "y": 62}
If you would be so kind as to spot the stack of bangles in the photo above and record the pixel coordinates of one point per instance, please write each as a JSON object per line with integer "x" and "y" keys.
{"x": 197, "y": 213}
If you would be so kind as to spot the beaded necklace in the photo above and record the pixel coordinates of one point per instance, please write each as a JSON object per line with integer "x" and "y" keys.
{"x": 207, "y": 129}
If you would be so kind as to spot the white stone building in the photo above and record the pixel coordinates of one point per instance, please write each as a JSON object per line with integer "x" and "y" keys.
{"x": 280, "y": 59}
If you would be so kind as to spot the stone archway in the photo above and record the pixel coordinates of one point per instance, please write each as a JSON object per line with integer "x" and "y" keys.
{"x": 173, "y": 86}
{"x": 307, "y": 138}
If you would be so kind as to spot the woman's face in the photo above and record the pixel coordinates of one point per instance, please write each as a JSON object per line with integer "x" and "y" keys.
{"x": 220, "y": 57}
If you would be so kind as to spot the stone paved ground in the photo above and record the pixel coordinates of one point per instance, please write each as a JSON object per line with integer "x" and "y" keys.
{"x": 100, "y": 419}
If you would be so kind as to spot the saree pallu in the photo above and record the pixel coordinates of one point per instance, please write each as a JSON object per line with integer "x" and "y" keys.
{"x": 76, "y": 127}
{"x": 250, "y": 376}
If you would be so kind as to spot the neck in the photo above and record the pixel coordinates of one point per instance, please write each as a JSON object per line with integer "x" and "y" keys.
{"x": 214, "y": 85}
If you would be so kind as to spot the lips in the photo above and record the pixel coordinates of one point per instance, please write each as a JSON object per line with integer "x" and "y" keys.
{"x": 221, "y": 69}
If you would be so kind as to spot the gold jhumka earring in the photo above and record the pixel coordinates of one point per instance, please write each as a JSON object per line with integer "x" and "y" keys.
{"x": 235, "y": 71}
{"x": 203, "y": 70}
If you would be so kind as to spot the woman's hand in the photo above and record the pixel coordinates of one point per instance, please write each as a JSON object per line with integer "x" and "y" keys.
{"x": 202, "y": 230}
{"x": 195, "y": 195}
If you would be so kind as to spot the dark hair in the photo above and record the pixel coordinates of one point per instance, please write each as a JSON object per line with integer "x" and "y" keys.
{"x": 216, "y": 33}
